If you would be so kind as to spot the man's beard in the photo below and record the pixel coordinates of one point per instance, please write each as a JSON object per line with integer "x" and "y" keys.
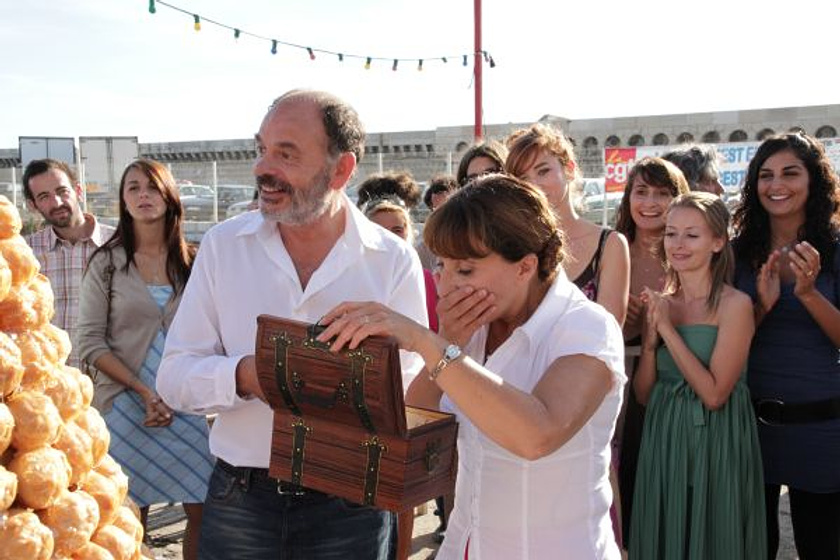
{"x": 60, "y": 222}
{"x": 305, "y": 204}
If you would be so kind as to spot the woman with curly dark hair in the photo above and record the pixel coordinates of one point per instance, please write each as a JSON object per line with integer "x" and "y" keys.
{"x": 788, "y": 254}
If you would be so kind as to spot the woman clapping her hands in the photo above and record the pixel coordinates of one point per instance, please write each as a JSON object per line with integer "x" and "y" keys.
{"x": 788, "y": 252}
{"x": 698, "y": 488}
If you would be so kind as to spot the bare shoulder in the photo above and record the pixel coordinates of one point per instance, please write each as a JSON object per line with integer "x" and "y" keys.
{"x": 617, "y": 242}
{"x": 734, "y": 303}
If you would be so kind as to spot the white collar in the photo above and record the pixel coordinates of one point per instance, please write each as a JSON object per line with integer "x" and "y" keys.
{"x": 357, "y": 227}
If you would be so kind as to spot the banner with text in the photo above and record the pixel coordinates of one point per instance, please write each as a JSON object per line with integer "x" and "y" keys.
{"x": 733, "y": 160}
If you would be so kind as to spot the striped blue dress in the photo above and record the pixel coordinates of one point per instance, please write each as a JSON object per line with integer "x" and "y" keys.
{"x": 164, "y": 465}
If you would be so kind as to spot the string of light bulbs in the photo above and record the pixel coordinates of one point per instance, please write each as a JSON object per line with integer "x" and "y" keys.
{"x": 312, "y": 51}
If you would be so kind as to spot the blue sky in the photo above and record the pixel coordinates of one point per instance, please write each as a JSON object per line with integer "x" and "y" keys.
{"x": 109, "y": 67}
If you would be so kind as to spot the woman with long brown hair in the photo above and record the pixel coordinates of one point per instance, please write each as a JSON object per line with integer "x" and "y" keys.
{"x": 129, "y": 296}
{"x": 598, "y": 262}
{"x": 651, "y": 186}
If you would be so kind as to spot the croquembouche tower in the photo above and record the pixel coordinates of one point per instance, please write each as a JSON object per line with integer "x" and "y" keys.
{"x": 61, "y": 494}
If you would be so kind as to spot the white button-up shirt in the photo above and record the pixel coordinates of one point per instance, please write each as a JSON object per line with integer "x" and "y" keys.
{"x": 557, "y": 506}
{"x": 243, "y": 270}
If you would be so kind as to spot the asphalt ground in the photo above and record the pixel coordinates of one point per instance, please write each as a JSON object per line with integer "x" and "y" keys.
{"x": 166, "y": 530}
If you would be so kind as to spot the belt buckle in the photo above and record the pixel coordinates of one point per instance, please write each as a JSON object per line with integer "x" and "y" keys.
{"x": 771, "y": 407}
{"x": 287, "y": 489}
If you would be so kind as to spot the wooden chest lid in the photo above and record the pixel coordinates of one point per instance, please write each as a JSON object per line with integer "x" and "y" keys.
{"x": 301, "y": 377}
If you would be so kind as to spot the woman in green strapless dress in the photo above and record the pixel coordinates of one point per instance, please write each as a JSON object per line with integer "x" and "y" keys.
{"x": 699, "y": 485}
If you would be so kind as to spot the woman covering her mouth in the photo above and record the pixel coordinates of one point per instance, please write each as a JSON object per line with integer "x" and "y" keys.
{"x": 536, "y": 388}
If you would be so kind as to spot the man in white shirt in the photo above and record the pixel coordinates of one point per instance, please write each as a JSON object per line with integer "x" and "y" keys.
{"x": 70, "y": 237}
{"x": 307, "y": 250}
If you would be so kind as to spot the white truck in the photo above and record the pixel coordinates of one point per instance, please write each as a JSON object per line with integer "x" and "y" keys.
{"x": 103, "y": 159}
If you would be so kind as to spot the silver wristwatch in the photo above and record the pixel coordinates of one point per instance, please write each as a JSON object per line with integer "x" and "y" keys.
{"x": 450, "y": 354}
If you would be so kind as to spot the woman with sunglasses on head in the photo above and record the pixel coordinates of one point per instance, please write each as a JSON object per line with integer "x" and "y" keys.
{"x": 481, "y": 159}
{"x": 460, "y": 312}
{"x": 788, "y": 254}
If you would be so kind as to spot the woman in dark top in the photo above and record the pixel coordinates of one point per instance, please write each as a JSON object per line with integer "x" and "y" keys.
{"x": 788, "y": 255}
{"x": 587, "y": 280}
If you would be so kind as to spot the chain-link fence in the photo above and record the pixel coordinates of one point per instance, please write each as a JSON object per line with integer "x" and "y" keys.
{"x": 213, "y": 191}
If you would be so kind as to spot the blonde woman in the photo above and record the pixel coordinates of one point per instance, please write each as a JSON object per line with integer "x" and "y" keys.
{"x": 699, "y": 491}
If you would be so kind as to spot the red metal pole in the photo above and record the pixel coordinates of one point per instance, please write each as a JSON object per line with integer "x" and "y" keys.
{"x": 478, "y": 60}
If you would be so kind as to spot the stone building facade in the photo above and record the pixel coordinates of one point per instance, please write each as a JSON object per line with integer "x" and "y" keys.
{"x": 592, "y": 135}
{"x": 428, "y": 152}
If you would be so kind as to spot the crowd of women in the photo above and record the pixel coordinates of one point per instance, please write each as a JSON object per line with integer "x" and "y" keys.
{"x": 649, "y": 388}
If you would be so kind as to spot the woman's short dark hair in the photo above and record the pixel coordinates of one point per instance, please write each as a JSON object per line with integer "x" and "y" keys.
{"x": 439, "y": 184}
{"x": 698, "y": 162}
{"x": 392, "y": 183}
{"x": 499, "y": 214}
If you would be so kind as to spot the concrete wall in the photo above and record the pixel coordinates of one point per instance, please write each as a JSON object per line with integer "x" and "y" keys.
{"x": 427, "y": 152}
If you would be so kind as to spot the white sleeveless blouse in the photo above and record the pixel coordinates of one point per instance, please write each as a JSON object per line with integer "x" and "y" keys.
{"x": 557, "y": 506}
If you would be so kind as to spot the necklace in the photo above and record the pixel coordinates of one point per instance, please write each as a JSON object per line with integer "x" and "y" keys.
{"x": 152, "y": 267}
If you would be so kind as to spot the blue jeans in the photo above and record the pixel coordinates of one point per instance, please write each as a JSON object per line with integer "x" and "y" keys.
{"x": 245, "y": 518}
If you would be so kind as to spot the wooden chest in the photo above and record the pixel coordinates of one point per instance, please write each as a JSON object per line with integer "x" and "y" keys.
{"x": 340, "y": 422}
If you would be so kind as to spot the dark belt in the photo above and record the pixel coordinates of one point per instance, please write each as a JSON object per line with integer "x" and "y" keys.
{"x": 253, "y": 475}
{"x": 775, "y": 412}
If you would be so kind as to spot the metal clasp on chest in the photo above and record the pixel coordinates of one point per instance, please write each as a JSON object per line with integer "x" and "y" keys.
{"x": 375, "y": 450}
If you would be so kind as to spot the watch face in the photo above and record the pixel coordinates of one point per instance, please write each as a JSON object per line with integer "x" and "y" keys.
{"x": 452, "y": 352}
